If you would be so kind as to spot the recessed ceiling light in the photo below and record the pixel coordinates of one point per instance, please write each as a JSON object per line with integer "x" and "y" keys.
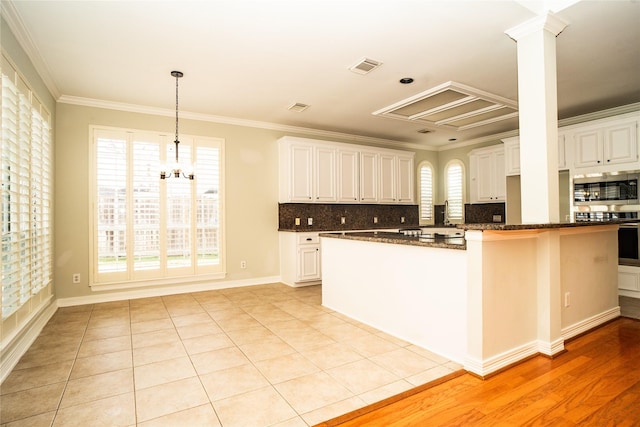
{"x": 425, "y": 131}
{"x": 406, "y": 80}
{"x": 453, "y": 139}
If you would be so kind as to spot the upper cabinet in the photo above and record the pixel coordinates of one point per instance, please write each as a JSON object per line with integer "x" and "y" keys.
{"x": 324, "y": 172}
{"x": 487, "y": 174}
{"x": 607, "y": 147}
{"x": 512, "y": 155}
{"x": 604, "y": 145}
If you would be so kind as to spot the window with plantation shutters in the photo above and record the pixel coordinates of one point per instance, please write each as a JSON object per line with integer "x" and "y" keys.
{"x": 426, "y": 192}
{"x": 25, "y": 196}
{"x": 148, "y": 229}
{"x": 454, "y": 190}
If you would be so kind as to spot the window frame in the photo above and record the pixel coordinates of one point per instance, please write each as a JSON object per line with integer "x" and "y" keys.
{"x": 163, "y": 275}
{"x": 31, "y": 154}
{"x": 451, "y": 163}
{"x": 431, "y": 219}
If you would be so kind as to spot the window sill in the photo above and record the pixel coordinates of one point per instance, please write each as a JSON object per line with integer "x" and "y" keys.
{"x": 185, "y": 280}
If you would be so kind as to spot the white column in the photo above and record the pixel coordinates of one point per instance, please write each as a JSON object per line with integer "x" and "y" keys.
{"x": 538, "y": 115}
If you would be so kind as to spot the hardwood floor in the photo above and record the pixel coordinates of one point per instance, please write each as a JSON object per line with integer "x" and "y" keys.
{"x": 596, "y": 382}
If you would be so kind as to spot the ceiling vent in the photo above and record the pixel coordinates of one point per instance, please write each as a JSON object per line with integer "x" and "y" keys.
{"x": 452, "y": 105}
{"x": 365, "y": 66}
{"x": 298, "y": 107}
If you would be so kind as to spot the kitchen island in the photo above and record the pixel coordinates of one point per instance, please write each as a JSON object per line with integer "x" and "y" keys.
{"x": 501, "y": 294}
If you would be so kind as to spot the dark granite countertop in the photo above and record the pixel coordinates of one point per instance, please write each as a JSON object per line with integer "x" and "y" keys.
{"x": 508, "y": 227}
{"x": 400, "y": 239}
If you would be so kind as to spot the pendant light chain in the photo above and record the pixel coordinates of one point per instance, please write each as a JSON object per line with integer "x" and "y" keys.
{"x": 177, "y": 172}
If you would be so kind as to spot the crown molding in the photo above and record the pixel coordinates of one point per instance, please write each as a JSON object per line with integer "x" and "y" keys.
{"x": 20, "y": 32}
{"x": 134, "y": 108}
{"x": 549, "y": 22}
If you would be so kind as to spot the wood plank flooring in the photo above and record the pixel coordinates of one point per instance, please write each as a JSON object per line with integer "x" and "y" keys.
{"x": 596, "y": 382}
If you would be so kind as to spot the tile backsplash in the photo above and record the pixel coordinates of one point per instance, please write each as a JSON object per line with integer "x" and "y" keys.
{"x": 484, "y": 213}
{"x": 329, "y": 216}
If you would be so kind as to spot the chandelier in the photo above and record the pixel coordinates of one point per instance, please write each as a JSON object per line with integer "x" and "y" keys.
{"x": 176, "y": 171}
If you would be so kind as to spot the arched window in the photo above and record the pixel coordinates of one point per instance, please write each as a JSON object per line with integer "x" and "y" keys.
{"x": 454, "y": 190}
{"x": 426, "y": 192}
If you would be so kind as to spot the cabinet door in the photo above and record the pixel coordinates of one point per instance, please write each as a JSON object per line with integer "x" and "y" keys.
{"x": 348, "y": 176}
{"x": 499, "y": 178}
{"x": 512, "y": 157}
{"x": 368, "y": 176}
{"x": 387, "y": 178}
{"x": 309, "y": 263}
{"x": 620, "y": 145}
{"x": 484, "y": 177}
{"x": 301, "y": 166}
{"x": 325, "y": 174}
{"x": 405, "y": 179}
{"x": 588, "y": 148}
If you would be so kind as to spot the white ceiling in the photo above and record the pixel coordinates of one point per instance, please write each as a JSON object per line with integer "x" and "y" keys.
{"x": 251, "y": 60}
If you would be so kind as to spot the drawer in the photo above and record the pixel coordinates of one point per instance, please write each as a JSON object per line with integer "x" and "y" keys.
{"x": 308, "y": 238}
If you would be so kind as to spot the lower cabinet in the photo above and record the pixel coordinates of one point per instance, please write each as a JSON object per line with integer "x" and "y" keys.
{"x": 300, "y": 258}
{"x": 629, "y": 281}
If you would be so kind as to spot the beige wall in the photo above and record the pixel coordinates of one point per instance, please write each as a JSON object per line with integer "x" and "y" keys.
{"x": 251, "y": 191}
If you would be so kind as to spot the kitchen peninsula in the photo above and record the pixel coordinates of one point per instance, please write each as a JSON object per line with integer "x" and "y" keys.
{"x": 497, "y": 296}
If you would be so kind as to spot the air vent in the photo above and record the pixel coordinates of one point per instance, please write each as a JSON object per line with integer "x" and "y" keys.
{"x": 365, "y": 66}
{"x": 453, "y": 106}
{"x": 298, "y": 107}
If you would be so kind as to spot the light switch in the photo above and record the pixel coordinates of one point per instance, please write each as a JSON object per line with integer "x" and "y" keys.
{"x": 375, "y": 219}
{"x": 343, "y": 220}
{"x": 309, "y": 221}
{"x": 297, "y": 221}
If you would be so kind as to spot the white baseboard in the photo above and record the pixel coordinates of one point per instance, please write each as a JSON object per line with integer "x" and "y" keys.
{"x": 551, "y": 348}
{"x": 163, "y": 291}
{"x": 590, "y": 323}
{"x": 17, "y": 343}
{"x": 488, "y": 366}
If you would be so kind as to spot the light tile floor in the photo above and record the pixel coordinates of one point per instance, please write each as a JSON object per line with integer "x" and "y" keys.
{"x": 267, "y": 355}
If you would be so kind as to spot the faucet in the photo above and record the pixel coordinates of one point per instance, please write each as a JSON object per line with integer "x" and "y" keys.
{"x": 446, "y": 213}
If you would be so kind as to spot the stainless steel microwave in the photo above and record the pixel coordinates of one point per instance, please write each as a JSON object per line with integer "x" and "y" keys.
{"x": 618, "y": 189}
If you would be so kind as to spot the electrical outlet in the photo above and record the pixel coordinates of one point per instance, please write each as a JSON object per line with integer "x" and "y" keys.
{"x": 401, "y": 220}
{"x": 343, "y": 220}
{"x": 309, "y": 221}
{"x": 76, "y": 277}
{"x": 567, "y": 299}
{"x": 297, "y": 221}
{"x": 375, "y": 219}
{"x": 243, "y": 264}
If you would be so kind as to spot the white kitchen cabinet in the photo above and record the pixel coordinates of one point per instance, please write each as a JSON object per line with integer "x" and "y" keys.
{"x": 300, "y": 258}
{"x": 369, "y": 177}
{"x": 405, "y": 179}
{"x": 308, "y": 172}
{"x": 629, "y": 281}
{"x": 603, "y": 148}
{"x": 324, "y": 174}
{"x": 487, "y": 175}
{"x": 512, "y": 155}
{"x": 300, "y": 168}
{"x": 388, "y": 178}
{"x": 314, "y": 171}
{"x": 348, "y": 175}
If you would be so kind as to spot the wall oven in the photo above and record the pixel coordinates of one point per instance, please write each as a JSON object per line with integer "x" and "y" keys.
{"x": 628, "y": 243}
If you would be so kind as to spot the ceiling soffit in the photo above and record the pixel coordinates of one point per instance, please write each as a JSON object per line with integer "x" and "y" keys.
{"x": 452, "y": 105}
